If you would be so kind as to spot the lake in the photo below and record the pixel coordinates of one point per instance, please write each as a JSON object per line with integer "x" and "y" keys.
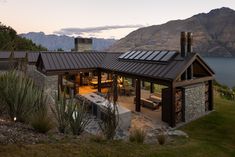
{"x": 224, "y": 69}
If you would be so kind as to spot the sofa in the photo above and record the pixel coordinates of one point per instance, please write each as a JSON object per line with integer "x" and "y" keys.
{"x": 148, "y": 103}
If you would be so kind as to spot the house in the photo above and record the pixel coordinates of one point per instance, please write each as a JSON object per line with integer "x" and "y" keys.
{"x": 187, "y": 79}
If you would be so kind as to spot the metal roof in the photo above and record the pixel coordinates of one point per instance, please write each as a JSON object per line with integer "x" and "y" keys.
{"x": 19, "y": 54}
{"x": 166, "y": 70}
{"x": 56, "y": 63}
{"x": 33, "y": 57}
{"x": 61, "y": 61}
{"x": 5, "y": 55}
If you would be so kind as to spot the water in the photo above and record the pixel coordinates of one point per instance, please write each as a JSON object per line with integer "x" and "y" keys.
{"x": 224, "y": 69}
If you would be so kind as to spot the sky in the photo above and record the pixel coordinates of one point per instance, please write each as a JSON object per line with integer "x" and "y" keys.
{"x": 99, "y": 18}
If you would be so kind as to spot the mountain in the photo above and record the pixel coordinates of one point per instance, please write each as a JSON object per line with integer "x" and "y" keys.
{"x": 10, "y": 41}
{"x": 214, "y": 34}
{"x": 55, "y": 42}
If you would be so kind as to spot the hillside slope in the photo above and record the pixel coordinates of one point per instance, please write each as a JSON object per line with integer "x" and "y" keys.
{"x": 214, "y": 34}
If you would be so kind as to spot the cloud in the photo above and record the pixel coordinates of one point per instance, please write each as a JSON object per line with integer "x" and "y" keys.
{"x": 3, "y": 1}
{"x": 92, "y": 30}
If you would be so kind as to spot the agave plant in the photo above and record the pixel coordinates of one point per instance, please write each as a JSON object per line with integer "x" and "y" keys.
{"x": 59, "y": 111}
{"x": 78, "y": 117}
{"x": 40, "y": 120}
{"x": 18, "y": 95}
{"x": 110, "y": 121}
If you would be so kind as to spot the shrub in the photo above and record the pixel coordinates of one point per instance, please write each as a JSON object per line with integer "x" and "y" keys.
{"x": 40, "y": 120}
{"x": 78, "y": 117}
{"x": 18, "y": 95}
{"x": 110, "y": 119}
{"x": 59, "y": 111}
{"x": 137, "y": 135}
{"x": 99, "y": 138}
{"x": 161, "y": 137}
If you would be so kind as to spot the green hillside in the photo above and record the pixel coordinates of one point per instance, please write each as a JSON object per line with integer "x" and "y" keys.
{"x": 10, "y": 41}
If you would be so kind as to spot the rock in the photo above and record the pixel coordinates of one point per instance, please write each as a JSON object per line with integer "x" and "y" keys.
{"x": 177, "y": 133}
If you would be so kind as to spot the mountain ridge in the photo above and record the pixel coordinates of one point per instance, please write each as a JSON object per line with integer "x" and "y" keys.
{"x": 213, "y": 34}
{"x": 66, "y": 43}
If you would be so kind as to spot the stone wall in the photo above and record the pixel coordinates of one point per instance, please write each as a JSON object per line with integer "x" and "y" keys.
{"x": 84, "y": 47}
{"x": 48, "y": 83}
{"x": 194, "y": 101}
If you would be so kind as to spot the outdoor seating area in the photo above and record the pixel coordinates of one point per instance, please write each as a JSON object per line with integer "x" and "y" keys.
{"x": 97, "y": 105}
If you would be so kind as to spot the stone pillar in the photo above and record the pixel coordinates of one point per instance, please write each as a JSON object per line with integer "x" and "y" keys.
{"x": 172, "y": 91}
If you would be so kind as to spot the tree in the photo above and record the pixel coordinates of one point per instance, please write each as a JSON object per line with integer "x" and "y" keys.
{"x": 10, "y": 41}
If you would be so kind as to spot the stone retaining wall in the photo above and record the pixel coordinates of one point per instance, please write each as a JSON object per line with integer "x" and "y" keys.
{"x": 48, "y": 83}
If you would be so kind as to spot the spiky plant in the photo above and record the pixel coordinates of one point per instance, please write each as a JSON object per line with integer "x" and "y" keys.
{"x": 40, "y": 120}
{"x": 19, "y": 95}
{"x": 78, "y": 117}
{"x": 60, "y": 113}
{"x": 110, "y": 121}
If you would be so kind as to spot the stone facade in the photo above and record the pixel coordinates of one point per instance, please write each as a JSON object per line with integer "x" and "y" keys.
{"x": 194, "y": 101}
{"x": 84, "y": 47}
{"x": 83, "y": 44}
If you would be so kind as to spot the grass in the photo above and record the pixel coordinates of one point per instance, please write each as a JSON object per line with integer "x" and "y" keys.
{"x": 137, "y": 135}
{"x": 212, "y": 135}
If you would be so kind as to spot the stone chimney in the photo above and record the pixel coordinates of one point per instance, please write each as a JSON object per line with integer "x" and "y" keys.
{"x": 189, "y": 42}
{"x": 186, "y": 41}
{"x": 83, "y": 44}
{"x": 183, "y": 44}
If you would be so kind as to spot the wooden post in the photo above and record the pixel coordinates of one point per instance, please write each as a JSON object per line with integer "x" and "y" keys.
{"x": 190, "y": 72}
{"x": 115, "y": 90}
{"x": 59, "y": 85}
{"x": 184, "y": 76}
{"x": 151, "y": 87}
{"x": 211, "y": 96}
{"x": 99, "y": 80}
{"x": 81, "y": 76}
{"x": 143, "y": 84}
{"x": 133, "y": 82}
{"x": 138, "y": 95}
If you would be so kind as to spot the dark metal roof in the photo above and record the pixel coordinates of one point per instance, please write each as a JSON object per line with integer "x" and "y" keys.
{"x": 19, "y": 54}
{"x": 57, "y": 63}
{"x": 61, "y": 61}
{"x": 5, "y": 55}
{"x": 167, "y": 70}
{"x": 33, "y": 57}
